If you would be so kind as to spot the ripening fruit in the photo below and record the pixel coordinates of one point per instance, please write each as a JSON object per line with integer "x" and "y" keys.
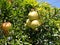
{"x": 28, "y": 22}
{"x": 34, "y": 24}
{"x": 6, "y": 26}
{"x": 33, "y": 15}
{"x": 9, "y": 1}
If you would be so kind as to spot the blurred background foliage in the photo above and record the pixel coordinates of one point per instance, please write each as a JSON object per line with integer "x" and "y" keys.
{"x": 16, "y": 12}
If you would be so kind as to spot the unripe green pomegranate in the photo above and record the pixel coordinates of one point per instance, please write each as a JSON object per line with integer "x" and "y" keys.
{"x": 33, "y": 15}
{"x": 35, "y": 23}
{"x": 28, "y": 22}
{"x": 9, "y": 1}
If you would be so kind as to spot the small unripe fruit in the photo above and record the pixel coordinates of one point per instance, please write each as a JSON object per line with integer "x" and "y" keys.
{"x": 34, "y": 24}
{"x": 28, "y": 22}
{"x": 9, "y": 1}
{"x": 33, "y": 15}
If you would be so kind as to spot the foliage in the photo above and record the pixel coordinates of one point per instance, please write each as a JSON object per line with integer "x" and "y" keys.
{"x": 17, "y": 11}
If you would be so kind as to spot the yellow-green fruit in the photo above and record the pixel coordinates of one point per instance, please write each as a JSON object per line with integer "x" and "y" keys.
{"x": 34, "y": 24}
{"x": 28, "y": 22}
{"x": 9, "y": 1}
{"x": 33, "y": 15}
